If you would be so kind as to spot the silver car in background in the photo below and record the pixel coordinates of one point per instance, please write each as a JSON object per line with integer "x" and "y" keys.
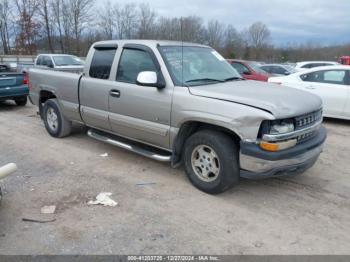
{"x": 59, "y": 62}
{"x": 278, "y": 69}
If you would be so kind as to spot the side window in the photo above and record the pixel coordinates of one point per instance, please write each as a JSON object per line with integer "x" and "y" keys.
{"x": 312, "y": 77}
{"x": 279, "y": 70}
{"x": 101, "y": 63}
{"x": 46, "y": 61}
{"x": 337, "y": 77}
{"x": 39, "y": 60}
{"x": 240, "y": 68}
{"x": 132, "y": 62}
{"x": 267, "y": 69}
{"x": 334, "y": 77}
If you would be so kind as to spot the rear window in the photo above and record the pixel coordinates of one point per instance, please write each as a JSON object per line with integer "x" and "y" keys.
{"x": 101, "y": 63}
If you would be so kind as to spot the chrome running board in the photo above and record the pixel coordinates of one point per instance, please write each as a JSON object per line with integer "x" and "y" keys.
{"x": 112, "y": 140}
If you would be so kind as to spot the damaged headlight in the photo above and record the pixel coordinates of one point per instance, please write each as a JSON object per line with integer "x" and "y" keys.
{"x": 282, "y": 128}
{"x": 277, "y": 127}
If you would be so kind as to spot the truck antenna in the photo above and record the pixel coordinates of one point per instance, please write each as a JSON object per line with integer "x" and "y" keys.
{"x": 182, "y": 52}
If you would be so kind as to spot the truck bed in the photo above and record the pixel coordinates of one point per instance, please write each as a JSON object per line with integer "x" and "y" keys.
{"x": 63, "y": 84}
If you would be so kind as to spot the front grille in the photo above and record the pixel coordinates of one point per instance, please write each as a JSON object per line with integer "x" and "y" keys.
{"x": 305, "y": 121}
{"x": 308, "y": 119}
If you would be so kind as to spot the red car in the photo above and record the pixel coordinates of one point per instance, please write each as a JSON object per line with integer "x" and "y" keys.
{"x": 249, "y": 70}
{"x": 345, "y": 60}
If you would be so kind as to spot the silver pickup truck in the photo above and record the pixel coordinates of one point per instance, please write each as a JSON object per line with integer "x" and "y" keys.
{"x": 183, "y": 103}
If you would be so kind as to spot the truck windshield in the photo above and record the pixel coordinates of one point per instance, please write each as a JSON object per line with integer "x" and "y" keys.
{"x": 194, "y": 66}
{"x": 67, "y": 60}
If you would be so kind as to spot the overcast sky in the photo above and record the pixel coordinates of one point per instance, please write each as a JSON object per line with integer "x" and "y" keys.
{"x": 290, "y": 21}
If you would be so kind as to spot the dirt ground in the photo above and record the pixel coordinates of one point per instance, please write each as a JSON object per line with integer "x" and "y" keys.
{"x": 307, "y": 214}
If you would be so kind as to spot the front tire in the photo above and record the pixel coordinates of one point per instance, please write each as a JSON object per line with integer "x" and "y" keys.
{"x": 22, "y": 101}
{"x": 211, "y": 161}
{"x": 55, "y": 122}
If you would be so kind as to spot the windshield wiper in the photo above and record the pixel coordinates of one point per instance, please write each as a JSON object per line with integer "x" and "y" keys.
{"x": 204, "y": 79}
{"x": 233, "y": 79}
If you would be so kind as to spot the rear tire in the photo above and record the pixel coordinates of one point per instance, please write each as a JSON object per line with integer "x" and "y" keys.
{"x": 211, "y": 161}
{"x": 22, "y": 101}
{"x": 56, "y": 123}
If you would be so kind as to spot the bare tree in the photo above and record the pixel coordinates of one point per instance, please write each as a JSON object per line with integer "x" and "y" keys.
{"x": 106, "y": 20}
{"x": 72, "y": 24}
{"x": 192, "y": 29}
{"x": 258, "y": 37}
{"x": 80, "y": 13}
{"x": 57, "y": 12}
{"x": 233, "y": 43}
{"x": 168, "y": 29}
{"x": 147, "y": 18}
{"x": 44, "y": 11}
{"x": 128, "y": 16}
{"x": 5, "y": 13}
{"x": 29, "y": 27}
{"x": 215, "y": 34}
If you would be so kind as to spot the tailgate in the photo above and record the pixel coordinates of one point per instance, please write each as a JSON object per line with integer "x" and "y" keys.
{"x": 11, "y": 79}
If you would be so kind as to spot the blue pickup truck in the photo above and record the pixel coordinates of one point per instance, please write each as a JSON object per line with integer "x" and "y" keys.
{"x": 14, "y": 86}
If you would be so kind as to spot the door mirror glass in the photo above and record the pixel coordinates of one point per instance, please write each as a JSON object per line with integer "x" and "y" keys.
{"x": 147, "y": 78}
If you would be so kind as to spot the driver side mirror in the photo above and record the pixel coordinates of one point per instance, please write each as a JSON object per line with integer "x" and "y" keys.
{"x": 247, "y": 72}
{"x": 149, "y": 78}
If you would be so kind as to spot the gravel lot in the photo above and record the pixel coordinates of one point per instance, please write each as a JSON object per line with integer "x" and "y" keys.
{"x": 307, "y": 214}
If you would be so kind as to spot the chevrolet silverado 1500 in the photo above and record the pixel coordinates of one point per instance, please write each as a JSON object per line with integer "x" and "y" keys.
{"x": 183, "y": 103}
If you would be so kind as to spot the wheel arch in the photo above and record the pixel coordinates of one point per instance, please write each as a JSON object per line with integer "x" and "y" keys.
{"x": 188, "y": 128}
{"x": 45, "y": 95}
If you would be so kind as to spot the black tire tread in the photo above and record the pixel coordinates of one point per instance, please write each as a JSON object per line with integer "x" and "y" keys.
{"x": 65, "y": 126}
{"x": 227, "y": 151}
{"x": 22, "y": 101}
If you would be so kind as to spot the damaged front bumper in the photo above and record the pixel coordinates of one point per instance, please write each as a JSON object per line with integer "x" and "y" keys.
{"x": 257, "y": 163}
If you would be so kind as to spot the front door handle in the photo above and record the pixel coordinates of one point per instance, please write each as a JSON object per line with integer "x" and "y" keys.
{"x": 114, "y": 93}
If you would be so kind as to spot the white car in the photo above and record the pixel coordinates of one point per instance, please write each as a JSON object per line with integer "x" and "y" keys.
{"x": 301, "y": 66}
{"x": 331, "y": 83}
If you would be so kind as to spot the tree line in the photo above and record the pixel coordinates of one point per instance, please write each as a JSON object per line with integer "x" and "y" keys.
{"x": 71, "y": 26}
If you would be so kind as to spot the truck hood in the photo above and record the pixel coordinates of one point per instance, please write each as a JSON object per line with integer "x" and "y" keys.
{"x": 280, "y": 101}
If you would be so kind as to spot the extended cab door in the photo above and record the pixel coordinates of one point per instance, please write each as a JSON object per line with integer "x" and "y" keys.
{"x": 331, "y": 86}
{"x": 95, "y": 87}
{"x": 140, "y": 112}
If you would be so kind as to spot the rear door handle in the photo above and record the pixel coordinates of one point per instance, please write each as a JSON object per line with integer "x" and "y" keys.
{"x": 114, "y": 93}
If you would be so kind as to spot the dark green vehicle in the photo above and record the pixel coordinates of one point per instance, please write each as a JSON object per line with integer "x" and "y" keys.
{"x": 14, "y": 86}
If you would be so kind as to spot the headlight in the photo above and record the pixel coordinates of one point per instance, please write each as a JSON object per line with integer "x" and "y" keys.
{"x": 277, "y": 127}
{"x": 282, "y": 128}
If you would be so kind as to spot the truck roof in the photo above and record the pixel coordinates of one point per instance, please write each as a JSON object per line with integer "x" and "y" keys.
{"x": 153, "y": 43}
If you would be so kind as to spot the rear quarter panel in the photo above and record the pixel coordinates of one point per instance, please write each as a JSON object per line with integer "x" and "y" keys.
{"x": 63, "y": 85}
